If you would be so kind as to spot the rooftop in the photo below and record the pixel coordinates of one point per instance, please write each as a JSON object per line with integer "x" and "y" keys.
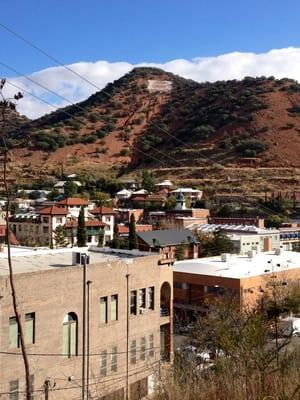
{"x": 26, "y": 260}
{"x": 73, "y": 201}
{"x": 240, "y": 266}
{"x": 210, "y": 228}
{"x": 167, "y": 237}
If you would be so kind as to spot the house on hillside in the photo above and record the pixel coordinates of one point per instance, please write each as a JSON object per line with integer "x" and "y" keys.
{"x": 166, "y": 243}
{"x": 107, "y": 216}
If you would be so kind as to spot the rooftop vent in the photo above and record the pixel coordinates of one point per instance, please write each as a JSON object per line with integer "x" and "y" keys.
{"x": 225, "y": 257}
{"x": 78, "y": 258}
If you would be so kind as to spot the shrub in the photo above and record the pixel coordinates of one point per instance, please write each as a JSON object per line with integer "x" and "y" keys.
{"x": 89, "y": 139}
{"x": 125, "y": 152}
{"x": 251, "y": 147}
{"x": 204, "y": 131}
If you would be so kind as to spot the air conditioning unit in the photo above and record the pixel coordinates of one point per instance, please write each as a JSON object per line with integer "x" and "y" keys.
{"x": 78, "y": 258}
{"x": 225, "y": 257}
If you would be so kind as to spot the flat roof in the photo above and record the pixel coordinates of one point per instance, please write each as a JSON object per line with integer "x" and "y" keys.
{"x": 240, "y": 266}
{"x": 25, "y": 260}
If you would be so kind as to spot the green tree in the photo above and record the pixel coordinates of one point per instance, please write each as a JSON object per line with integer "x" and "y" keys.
{"x": 115, "y": 244}
{"x": 214, "y": 245}
{"x": 170, "y": 203}
{"x": 132, "y": 238}
{"x": 81, "y": 229}
{"x": 70, "y": 189}
{"x": 14, "y": 208}
{"x": 273, "y": 221}
{"x": 180, "y": 251}
{"x": 60, "y": 236}
{"x": 101, "y": 238}
{"x": 53, "y": 194}
{"x": 148, "y": 181}
{"x": 102, "y": 199}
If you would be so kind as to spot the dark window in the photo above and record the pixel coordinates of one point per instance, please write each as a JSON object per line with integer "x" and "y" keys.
{"x": 133, "y": 302}
{"x": 151, "y": 298}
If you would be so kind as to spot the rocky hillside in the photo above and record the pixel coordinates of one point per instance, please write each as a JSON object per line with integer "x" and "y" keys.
{"x": 156, "y": 119}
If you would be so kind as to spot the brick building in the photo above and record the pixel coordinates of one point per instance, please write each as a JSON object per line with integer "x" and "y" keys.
{"x": 128, "y": 292}
{"x": 246, "y": 278}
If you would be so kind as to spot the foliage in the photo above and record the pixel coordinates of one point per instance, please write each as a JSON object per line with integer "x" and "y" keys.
{"x": 115, "y": 244}
{"x": 180, "y": 251}
{"x": 101, "y": 237}
{"x": 70, "y": 189}
{"x": 273, "y": 221}
{"x": 225, "y": 211}
{"x": 102, "y": 199}
{"x": 148, "y": 181}
{"x": 132, "y": 237}
{"x": 214, "y": 245}
{"x": 170, "y": 203}
{"x": 251, "y": 147}
{"x": 60, "y": 236}
{"x": 81, "y": 229}
{"x": 204, "y": 131}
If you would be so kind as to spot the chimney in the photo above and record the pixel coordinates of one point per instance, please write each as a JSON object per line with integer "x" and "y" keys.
{"x": 267, "y": 244}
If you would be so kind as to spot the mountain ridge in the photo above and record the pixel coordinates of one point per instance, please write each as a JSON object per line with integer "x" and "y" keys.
{"x": 152, "y": 118}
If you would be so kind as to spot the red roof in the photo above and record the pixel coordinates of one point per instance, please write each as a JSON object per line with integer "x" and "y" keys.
{"x": 102, "y": 210}
{"x": 89, "y": 223}
{"x": 53, "y": 210}
{"x": 123, "y": 229}
{"x": 73, "y": 201}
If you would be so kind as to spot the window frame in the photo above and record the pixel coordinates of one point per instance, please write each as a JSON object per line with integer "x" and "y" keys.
{"x": 114, "y": 299}
{"x": 104, "y": 320}
{"x": 133, "y": 306}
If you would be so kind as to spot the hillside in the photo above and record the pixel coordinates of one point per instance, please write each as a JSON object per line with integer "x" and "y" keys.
{"x": 194, "y": 132}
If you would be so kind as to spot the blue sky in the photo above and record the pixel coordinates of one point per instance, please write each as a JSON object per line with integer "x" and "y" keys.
{"x": 205, "y": 40}
{"x": 139, "y": 30}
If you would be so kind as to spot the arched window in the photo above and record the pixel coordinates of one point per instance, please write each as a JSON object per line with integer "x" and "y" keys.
{"x": 70, "y": 335}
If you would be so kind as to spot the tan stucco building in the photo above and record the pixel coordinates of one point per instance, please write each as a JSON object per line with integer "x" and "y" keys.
{"x": 129, "y": 312}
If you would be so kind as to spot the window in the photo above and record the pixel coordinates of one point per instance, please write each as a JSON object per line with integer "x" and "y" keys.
{"x": 107, "y": 219}
{"x": 89, "y": 238}
{"x": 133, "y": 352}
{"x": 70, "y": 335}
{"x": 133, "y": 302}
{"x": 114, "y": 307}
{"x": 151, "y": 298}
{"x": 14, "y": 390}
{"x": 114, "y": 359}
{"x": 142, "y": 299}
{"x": 103, "y": 363}
{"x": 45, "y": 220}
{"x": 13, "y": 333}
{"x": 45, "y": 229}
{"x": 103, "y": 310}
{"x": 20, "y": 228}
{"x": 59, "y": 220}
{"x": 151, "y": 345}
{"x": 143, "y": 348}
{"x": 29, "y": 328}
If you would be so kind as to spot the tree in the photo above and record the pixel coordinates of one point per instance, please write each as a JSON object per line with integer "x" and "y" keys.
{"x": 70, "y": 189}
{"x": 60, "y": 236}
{"x": 81, "y": 229}
{"x": 53, "y": 194}
{"x": 214, "y": 245}
{"x": 102, "y": 199}
{"x": 180, "y": 250}
{"x": 148, "y": 181}
{"x": 6, "y": 105}
{"x": 101, "y": 238}
{"x": 170, "y": 203}
{"x": 273, "y": 221}
{"x": 132, "y": 238}
{"x": 115, "y": 244}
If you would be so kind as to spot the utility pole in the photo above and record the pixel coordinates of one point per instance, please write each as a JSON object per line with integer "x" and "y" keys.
{"x": 84, "y": 284}
{"x": 127, "y": 336}
{"x": 88, "y": 342}
{"x": 47, "y": 386}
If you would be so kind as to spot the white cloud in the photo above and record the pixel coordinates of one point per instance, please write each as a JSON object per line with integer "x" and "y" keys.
{"x": 279, "y": 63}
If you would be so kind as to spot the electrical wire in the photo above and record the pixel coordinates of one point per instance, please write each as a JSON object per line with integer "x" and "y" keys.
{"x": 108, "y": 94}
